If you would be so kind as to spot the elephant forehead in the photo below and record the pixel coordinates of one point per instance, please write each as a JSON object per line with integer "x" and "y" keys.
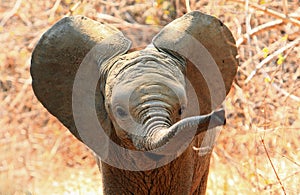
{"x": 143, "y": 62}
{"x": 146, "y": 66}
{"x": 149, "y": 84}
{"x": 172, "y": 94}
{"x": 150, "y": 72}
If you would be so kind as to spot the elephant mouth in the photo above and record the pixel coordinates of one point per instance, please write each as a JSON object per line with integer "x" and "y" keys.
{"x": 165, "y": 140}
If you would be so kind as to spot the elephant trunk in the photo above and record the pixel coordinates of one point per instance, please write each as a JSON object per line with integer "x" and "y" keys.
{"x": 160, "y": 132}
{"x": 155, "y": 116}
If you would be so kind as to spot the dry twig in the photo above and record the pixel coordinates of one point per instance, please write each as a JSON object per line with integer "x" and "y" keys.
{"x": 120, "y": 21}
{"x": 285, "y": 7}
{"x": 271, "y": 12}
{"x": 284, "y": 92}
{"x": 21, "y": 95}
{"x": 54, "y": 8}
{"x": 74, "y": 8}
{"x": 112, "y": 4}
{"x": 270, "y": 57}
{"x": 258, "y": 29}
{"x": 278, "y": 179}
{"x": 11, "y": 13}
{"x": 258, "y": 55}
{"x": 187, "y": 5}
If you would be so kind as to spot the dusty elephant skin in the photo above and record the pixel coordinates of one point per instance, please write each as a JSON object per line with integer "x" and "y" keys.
{"x": 160, "y": 102}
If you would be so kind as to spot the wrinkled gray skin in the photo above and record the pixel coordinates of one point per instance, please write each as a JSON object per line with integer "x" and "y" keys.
{"x": 141, "y": 100}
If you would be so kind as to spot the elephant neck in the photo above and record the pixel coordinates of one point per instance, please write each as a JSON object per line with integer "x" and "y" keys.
{"x": 173, "y": 178}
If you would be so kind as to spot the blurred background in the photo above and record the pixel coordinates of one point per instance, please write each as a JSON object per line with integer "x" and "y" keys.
{"x": 257, "y": 152}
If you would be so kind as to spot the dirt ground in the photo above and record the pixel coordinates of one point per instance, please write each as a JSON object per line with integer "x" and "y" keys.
{"x": 258, "y": 151}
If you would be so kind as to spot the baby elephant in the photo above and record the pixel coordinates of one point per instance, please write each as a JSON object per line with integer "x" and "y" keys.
{"x": 151, "y": 115}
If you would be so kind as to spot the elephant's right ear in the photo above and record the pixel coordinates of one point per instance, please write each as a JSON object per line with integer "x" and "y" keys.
{"x": 209, "y": 49}
{"x": 58, "y": 56}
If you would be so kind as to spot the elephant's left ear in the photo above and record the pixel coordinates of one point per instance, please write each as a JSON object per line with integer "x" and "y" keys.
{"x": 210, "y": 51}
{"x": 72, "y": 43}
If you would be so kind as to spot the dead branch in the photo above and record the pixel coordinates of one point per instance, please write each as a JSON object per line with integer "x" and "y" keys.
{"x": 271, "y": 12}
{"x": 280, "y": 89}
{"x": 74, "y": 8}
{"x": 187, "y": 5}
{"x": 273, "y": 167}
{"x": 25, "y": 19}
{"x": 21, "y": 95}
{"x": 258, "y": 29}
{"x": 11, "y": 13}
{"x": 52, "y": 11}
{"x": 266, "y": 75}
{"x": 120, "y": 22}
{"x": 271, "y": 49}
{"x": 247, "y": 21}
{"x": 284, "y": 92}
{"x": 112, "y": 4}
{"x": 295, "y": 14}
{"x": 285, "y": 7}
{"x": 110, "y": 18}
{"x": 270, "y": 57}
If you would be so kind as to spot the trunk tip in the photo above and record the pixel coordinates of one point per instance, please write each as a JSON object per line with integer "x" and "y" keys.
{"x": 219, "y": 115}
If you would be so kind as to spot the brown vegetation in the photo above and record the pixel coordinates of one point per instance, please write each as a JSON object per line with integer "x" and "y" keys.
{"x": 258, "y": 150}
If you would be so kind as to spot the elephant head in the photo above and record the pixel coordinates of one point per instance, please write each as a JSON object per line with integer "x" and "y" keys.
{"x": 146, "y": 100}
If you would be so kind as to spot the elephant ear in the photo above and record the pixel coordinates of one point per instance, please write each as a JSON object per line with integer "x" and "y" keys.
{"x": 210, "y": 52}
{"x": 58, "y": 55}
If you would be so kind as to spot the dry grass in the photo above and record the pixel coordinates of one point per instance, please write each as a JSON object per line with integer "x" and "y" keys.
{"x": 39, "y": 156}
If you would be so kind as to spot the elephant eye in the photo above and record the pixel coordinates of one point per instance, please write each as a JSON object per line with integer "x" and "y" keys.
{"x": 121, "y": 113}
{"x": 181, "y": 110}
